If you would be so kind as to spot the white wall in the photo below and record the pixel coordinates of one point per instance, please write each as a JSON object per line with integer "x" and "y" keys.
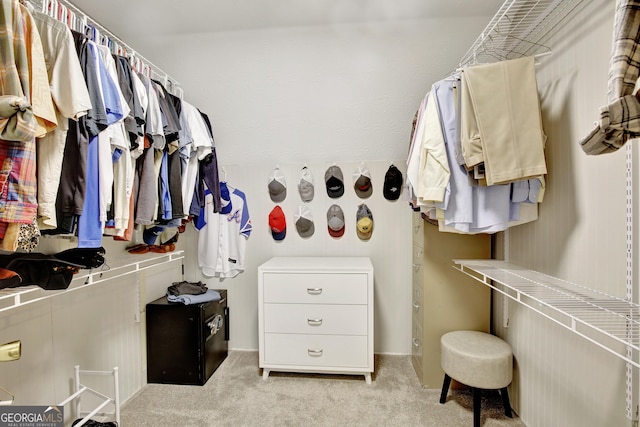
{"x": 561, "y": 379}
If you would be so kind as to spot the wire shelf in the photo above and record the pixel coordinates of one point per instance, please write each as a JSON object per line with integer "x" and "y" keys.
{"x": 607, "y": 321}
{"x": 11, "y": 298}
{"x": 519, "y": 28}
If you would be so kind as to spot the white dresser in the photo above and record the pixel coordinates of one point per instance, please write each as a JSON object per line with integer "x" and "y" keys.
{"x": 315, "y": 314}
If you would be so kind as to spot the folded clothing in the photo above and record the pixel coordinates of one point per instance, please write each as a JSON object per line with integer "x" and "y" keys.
{"x": 188, "y": 288}
{"x": 210, "y": 295}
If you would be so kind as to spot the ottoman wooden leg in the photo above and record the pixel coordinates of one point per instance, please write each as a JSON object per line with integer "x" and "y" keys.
{"x": 445, "y": 388}
{"x": 505, "y": 402}
{"x": 476, "y": 407}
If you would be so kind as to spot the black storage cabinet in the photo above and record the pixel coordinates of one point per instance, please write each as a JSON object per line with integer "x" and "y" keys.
{"x": 186, "y": 343}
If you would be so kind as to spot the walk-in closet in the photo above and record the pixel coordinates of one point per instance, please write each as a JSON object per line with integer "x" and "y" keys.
{"x": 316, "y": 133}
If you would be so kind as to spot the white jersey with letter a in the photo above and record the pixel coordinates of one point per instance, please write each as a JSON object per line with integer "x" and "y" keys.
{"x": 222, "y": 237}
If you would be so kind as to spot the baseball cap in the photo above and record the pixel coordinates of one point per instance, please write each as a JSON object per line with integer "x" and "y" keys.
{"x": 304, "y": 221}
{"x": 277, "y": 186}
{"x": 305, "y": 185}
{"x": 277, "y": 223}
{"x": 334, "y": 182}
{"x": 364, "y": 222}
{"x": 392, "y": 183}
{"x": 362, "y": 182}
{"x": 335, "y": 221}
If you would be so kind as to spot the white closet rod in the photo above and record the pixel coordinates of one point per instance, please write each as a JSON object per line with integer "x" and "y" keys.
{"x": 170, "y": 84}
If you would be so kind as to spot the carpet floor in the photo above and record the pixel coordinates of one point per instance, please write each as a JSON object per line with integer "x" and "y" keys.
{"x": 236, "y": 395}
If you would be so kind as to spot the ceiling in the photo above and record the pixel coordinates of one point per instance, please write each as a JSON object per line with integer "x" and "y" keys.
{"x": 130, "y": 20}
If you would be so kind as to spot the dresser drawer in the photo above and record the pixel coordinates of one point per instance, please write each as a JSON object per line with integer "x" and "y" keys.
{"x": 315, "y": 319}
{"x": 321, "y": 288}
{"x": 340, "y": 351}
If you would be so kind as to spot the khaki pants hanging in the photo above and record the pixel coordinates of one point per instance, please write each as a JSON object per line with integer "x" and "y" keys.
{"x": 501, "y": 121}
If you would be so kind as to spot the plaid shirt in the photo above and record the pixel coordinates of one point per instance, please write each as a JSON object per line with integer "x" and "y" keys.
{"x": 18, "y": 199}
{"x": 620, "y": 120}
{"x": 14, "y": 73}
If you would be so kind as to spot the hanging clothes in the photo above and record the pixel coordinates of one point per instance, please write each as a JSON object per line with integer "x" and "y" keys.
{"x": 447, "y": 142}
{"x": 112, "y": 153}
{"x": 71, "y": 100}
{"x": 620, "y": 119}
{"x": 222, "y": 236}
{"x": 28, "y": 112}
{"x": 99, "y": 167}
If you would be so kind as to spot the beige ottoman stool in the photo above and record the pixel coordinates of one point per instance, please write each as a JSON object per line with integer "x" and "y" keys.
{"x": 480, "y": 361}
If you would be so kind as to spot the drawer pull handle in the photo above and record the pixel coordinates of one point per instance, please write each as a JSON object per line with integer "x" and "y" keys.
{"x": 314, "y": 322}
{"x": 314, "y": 291}
{"x": 416, "y": 343}
{"x": 416, "y": 306}
{"x": 314, "y": 353}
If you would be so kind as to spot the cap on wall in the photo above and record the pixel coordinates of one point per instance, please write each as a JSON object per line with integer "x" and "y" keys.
{"x": 364, "y": 222}
{"x": 277, "y": 186}
{"x": 304, "y": 221}
{"x": 305, "y": 185}
{"x": 392, "y": 183}
{"x": 334, "y": 181}
{"x": 362, "y": 182}
{"x": 277, "y": 223}
{"x": 335, "y": 221}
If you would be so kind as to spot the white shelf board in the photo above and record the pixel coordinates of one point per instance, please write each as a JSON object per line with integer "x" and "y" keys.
{"x": 607, "y": 321}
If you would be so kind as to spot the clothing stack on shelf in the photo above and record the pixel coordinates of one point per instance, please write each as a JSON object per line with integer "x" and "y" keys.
{"x": 476, "y": 162}
{"x": 191, "y": 293}
{"x": 91, "y": 146}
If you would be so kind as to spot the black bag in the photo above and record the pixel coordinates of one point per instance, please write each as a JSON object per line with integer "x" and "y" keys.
{"x": 43, "y": 270}
{"x": 83, "y": 257}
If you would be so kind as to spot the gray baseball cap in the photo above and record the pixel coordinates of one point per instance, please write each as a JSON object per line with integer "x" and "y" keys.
{"x": 335, "y": 221}
{"x": 277, "y": 186}
{"x": 304, "y": 222}
{"x": 305, "y": 185}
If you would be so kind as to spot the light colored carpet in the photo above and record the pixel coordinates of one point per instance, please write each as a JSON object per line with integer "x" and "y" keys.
{"x": 236, "y": 395}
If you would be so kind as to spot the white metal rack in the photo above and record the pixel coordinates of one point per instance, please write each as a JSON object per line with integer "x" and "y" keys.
{"x": 103, "y": 400}
{"x": 607, "y": 321}
{"x": 16, "y": 297}
{"x": 519, "y": 28}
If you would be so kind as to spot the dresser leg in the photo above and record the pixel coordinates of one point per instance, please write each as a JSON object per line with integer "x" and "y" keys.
{"x": 367, "y": 377}
{"x": 265, "y": 373}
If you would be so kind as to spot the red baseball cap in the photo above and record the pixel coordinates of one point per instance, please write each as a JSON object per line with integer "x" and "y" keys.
{"x": 277, "y": 223}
